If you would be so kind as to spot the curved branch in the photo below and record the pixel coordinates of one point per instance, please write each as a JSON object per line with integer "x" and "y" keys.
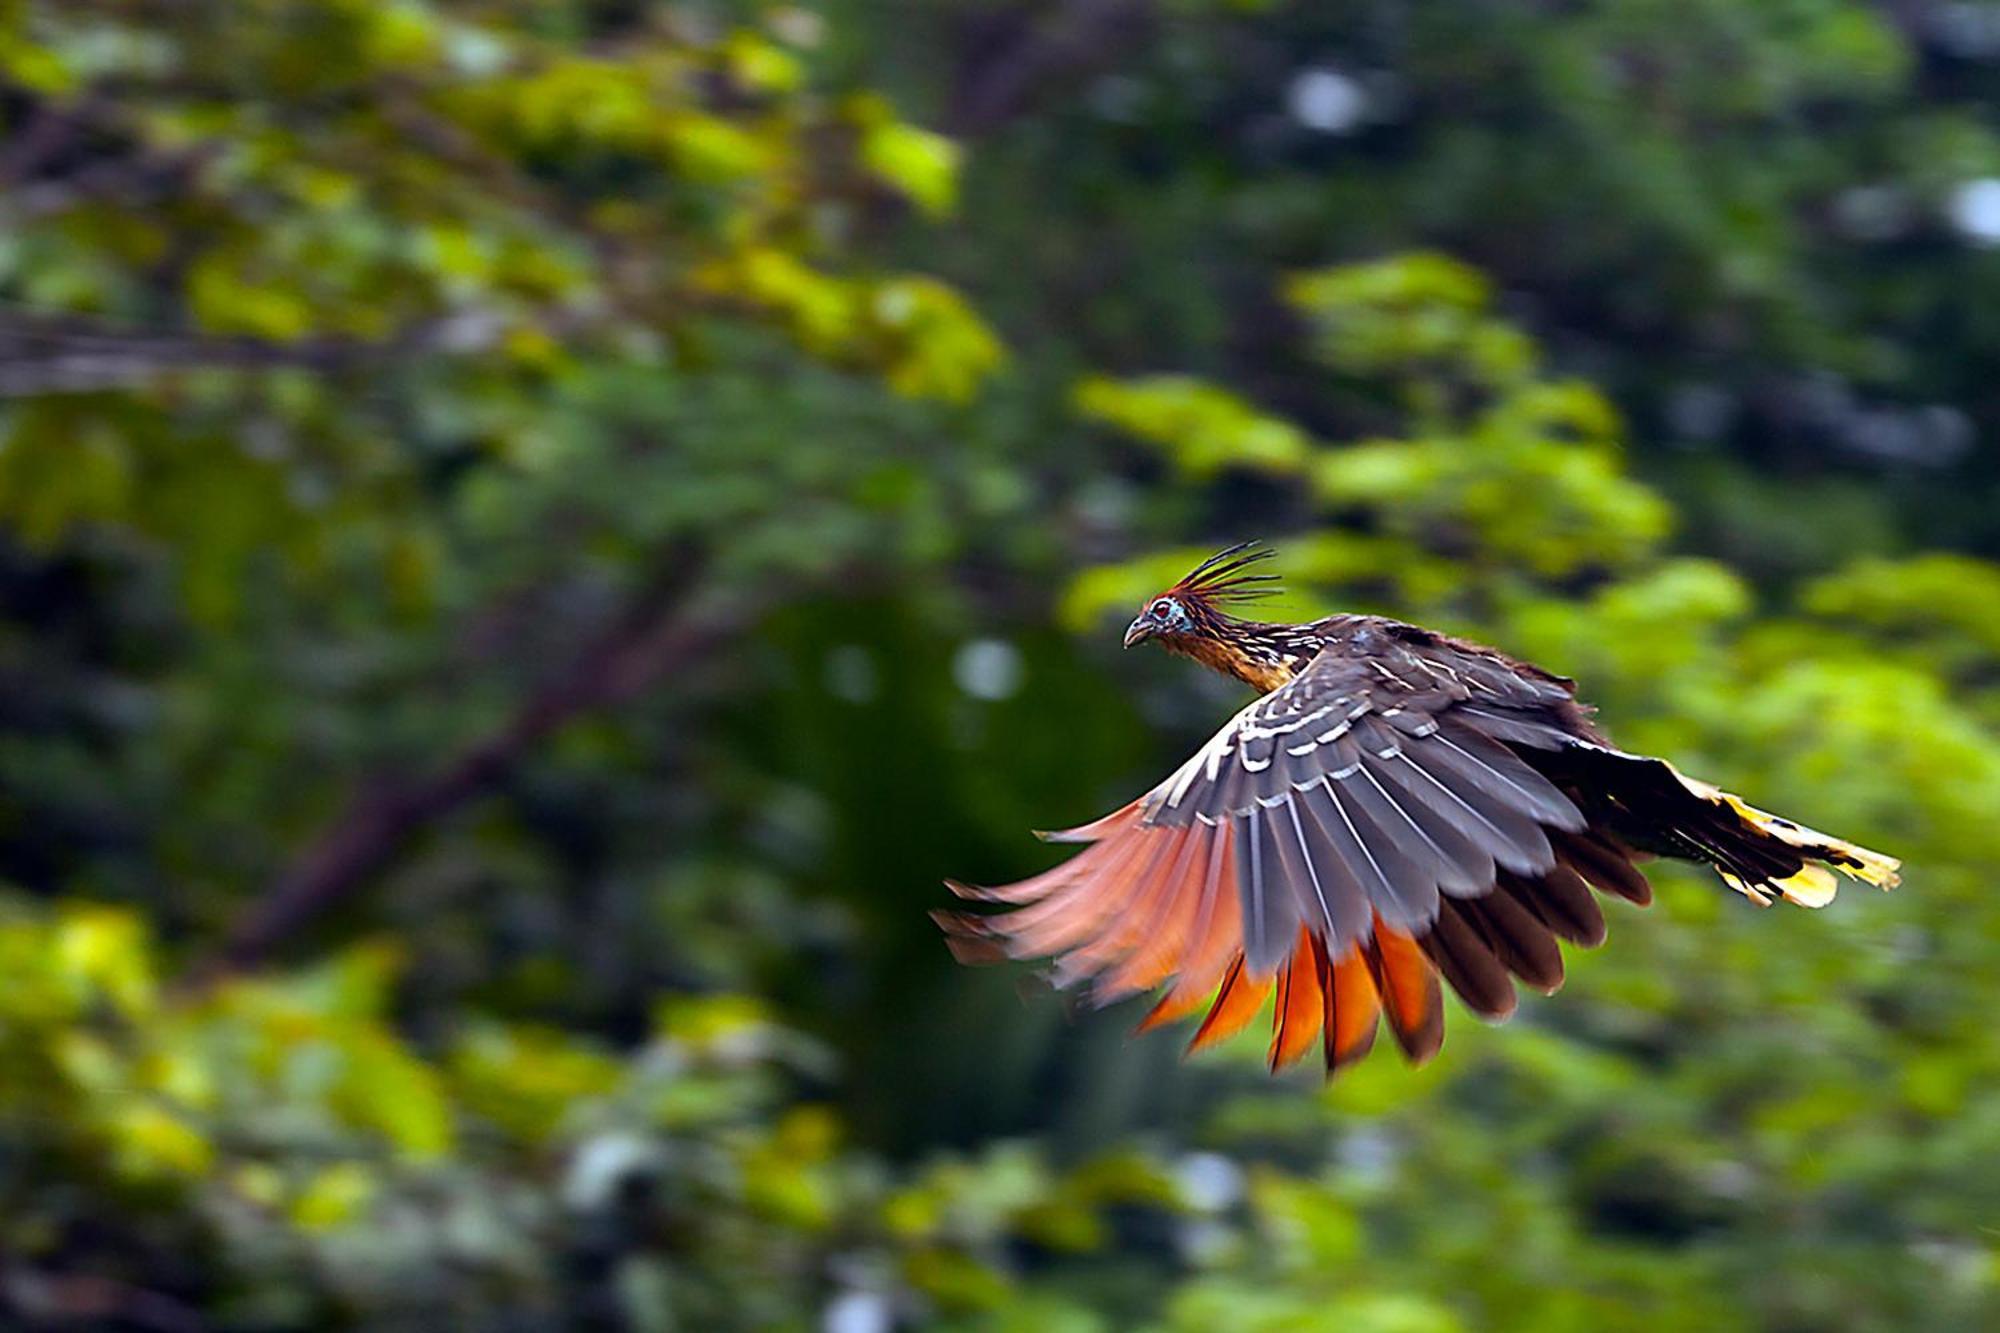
{"x": 661, "y": 633}
{"x": 43, "y": 355}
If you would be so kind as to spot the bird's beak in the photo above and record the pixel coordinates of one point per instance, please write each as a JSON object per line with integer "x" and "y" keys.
{"x": 1138, "y": 631}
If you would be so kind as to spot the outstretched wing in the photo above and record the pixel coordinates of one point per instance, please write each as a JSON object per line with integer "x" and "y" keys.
{"x": 1347, "y": 838}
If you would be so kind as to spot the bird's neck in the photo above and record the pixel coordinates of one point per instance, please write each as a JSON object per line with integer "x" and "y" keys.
{"x": 1262, "y": 654}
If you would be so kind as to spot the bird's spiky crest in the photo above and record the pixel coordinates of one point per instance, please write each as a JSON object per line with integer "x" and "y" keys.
{"x": 1221, "y": 579}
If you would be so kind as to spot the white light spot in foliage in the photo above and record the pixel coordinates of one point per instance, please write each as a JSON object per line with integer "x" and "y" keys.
{"x": 1975, "y": 210}
{"x": 1370, "y": 1155}
{"x": 1209, "y": 1182}
{"x": 1326, "y": 100}
{"x": 858, "y": 1312}
{"x": 602, "y": 1166}
{"x": 474, "y": 51}
{"x": 987, "y": 669}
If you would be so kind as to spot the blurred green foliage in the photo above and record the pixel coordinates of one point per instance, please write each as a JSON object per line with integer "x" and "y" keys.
{"x": 283, "y": 1125}
{"x": 656, "y": 476}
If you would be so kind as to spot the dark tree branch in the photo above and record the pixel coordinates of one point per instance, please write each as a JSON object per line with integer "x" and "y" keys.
{"x": 664, "y": 631}
{"x": 87, "y": 1300}
{"x": 44, "y": 355}
{"x": 71, "y": 150}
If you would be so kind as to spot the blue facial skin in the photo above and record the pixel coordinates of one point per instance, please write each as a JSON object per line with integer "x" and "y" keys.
{"x": 1165, "y": 616}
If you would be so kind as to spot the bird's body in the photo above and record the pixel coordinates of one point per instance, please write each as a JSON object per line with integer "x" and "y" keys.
{"x": 1396, "y": 806}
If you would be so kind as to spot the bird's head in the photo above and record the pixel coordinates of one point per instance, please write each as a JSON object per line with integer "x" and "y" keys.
{"x": 1165, "y": 616}
{"x": 1190, "y": 611}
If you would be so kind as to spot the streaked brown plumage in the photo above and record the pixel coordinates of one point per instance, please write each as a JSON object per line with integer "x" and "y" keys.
{"x": 1397, "y": 807}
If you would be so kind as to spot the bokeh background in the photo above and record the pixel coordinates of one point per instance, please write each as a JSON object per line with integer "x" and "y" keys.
{"x": 533, "y": 534}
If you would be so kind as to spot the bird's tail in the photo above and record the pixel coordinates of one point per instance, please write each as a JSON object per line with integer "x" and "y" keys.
{"x": 1654, "y": 807}
{"x": 1813, "y": 884}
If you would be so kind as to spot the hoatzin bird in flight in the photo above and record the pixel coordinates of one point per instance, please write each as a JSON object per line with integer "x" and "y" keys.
{"x": 1396, "y": 806}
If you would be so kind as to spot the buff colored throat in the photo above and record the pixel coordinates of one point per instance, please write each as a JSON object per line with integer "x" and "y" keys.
{"x": 1263, "y": 674}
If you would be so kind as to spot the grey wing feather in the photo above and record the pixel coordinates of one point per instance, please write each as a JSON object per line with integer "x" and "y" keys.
{"x": 1270, "y": 903}
{"x": 1380, "y": 782}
